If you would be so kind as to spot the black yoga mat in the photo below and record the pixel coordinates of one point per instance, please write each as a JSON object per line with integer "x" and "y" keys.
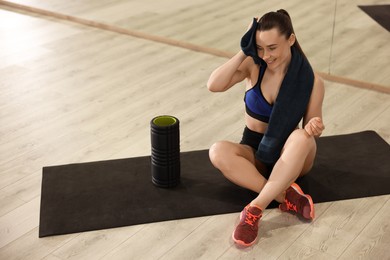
{"x": 107, "y": 194}
{"x": 380, "y": 13}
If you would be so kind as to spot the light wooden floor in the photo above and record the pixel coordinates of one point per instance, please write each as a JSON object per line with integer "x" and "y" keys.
{"x": 70, "y": 93}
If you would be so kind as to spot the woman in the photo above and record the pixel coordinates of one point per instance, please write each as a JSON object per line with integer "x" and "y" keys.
{"x": 278, "y": 78}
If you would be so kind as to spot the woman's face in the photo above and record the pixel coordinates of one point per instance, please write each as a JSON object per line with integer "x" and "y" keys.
{"x": 274, "y": 48}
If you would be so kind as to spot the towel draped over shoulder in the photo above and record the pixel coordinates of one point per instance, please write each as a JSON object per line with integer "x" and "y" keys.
{"x": 289, "y": 107}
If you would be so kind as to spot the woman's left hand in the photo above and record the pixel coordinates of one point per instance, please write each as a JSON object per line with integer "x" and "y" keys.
{"x": 315, "y": 127}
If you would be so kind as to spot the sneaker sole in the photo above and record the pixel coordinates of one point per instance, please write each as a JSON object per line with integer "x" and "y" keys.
{"x": 299, "y": 190}
{"x": 242, "y": 243}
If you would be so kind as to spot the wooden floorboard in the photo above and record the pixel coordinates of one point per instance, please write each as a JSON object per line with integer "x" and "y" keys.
{"x": 372, "y": 240}
{"x": 323, "y": 58}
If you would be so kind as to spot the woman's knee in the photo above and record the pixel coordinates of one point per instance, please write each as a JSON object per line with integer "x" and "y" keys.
{"x": 299, "y": 141}
{"x": 223, "y": 154}
{"x": 301, "y": 138}
{"x": 219, "y": 152}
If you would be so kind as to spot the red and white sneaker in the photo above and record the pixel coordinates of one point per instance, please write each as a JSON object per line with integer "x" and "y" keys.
{"x": 246, "y": 231}
{"x": 298, "y": 202}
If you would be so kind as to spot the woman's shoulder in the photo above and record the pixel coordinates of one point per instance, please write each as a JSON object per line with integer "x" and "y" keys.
{"x": 318, "y": 81}
{"x": 249, "y": 70}
{"x": 319, "y": 85}
{"x": 248, "y": 67}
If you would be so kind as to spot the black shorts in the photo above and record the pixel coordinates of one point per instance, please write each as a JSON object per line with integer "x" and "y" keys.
{"x": 253, "y": 139}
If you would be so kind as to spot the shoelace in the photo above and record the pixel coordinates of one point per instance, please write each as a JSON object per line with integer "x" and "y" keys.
{"x": 250, "y": 218}
{"x": 291, "y": 206}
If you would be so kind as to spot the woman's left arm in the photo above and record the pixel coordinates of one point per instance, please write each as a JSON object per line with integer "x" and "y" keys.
{"x": 312, "y": 121}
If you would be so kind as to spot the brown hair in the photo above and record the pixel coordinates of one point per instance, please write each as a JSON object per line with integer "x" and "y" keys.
{"x": 282, "y": 21}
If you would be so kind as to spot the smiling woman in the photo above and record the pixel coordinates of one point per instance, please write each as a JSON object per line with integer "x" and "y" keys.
{"x": 281, "y": 89}
{"x": 273, "y": 48}
{"x": 283, "y": 25}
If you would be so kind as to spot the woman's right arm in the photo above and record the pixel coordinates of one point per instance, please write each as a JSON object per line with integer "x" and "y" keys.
{"x": 233, "y": 71}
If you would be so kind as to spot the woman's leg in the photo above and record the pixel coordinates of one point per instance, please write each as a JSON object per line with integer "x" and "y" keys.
{"x": 296, "y": 160}
{"x": 237, "y": 163}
